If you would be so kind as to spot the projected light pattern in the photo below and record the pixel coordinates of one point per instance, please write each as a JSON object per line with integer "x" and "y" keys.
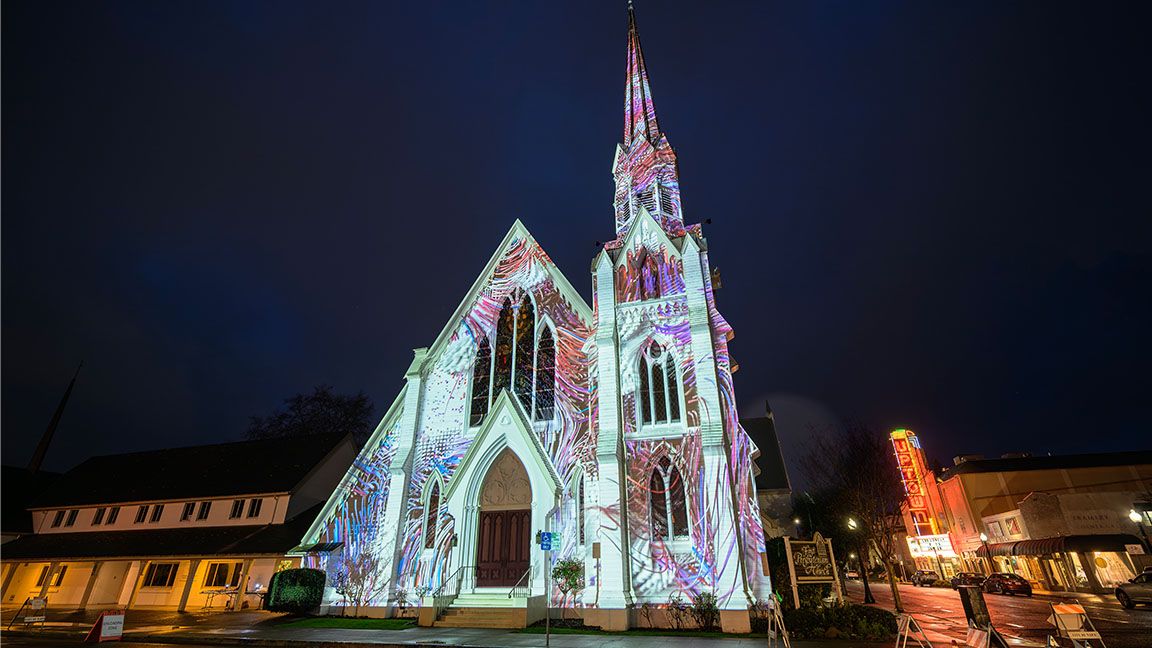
{"x": 653, "y": 289}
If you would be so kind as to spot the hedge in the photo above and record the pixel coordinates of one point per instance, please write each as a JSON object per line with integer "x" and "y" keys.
{"x": 295, "y": 590}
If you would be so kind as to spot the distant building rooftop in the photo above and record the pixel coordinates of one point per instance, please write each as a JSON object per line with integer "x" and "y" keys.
{"x": 1055, "y": 462}
{"x": 219, "y": 470}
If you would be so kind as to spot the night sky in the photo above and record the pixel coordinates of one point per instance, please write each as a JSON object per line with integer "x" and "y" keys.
{"x": 926, "y": 214}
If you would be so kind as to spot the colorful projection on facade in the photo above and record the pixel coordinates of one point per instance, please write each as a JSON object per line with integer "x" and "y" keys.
{"x": 667, "y": 499}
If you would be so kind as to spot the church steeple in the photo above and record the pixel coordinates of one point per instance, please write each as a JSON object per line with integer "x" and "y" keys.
{"x": 645, "y": 165}
{"x": 639, "y": 111}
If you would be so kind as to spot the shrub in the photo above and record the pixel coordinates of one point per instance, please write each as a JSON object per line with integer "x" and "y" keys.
{"x": 677, "y": 611}
{"x": 295, "y": 590}
{"x": 851, "y": 622}
{"x": 705, "y": 611}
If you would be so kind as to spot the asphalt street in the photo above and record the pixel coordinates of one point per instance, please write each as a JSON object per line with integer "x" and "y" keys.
{"x": 1023, "y": 620}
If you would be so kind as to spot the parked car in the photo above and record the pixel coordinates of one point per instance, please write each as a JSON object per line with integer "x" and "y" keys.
{"x": 1137, "y": 590}
{"x": 967, "y": 578}
{"x": 852, "y": 573}
{"x": 1003, "y": 583}
{"x": 925, "y": 578}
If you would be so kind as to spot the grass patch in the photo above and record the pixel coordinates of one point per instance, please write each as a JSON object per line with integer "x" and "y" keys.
{"x": 351, "y": 623}
{"x": 645, "y": 632}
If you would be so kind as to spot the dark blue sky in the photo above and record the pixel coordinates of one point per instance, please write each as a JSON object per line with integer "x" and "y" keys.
{"x": 932, "y": 215}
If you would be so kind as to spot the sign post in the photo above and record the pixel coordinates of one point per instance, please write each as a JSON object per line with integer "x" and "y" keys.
{"x": 546, "y": 539}
{"x": 811, "y": 562}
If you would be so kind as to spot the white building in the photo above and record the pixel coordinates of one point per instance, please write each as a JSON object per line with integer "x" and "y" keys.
{"x": 185, "y": 528}
{"x": 614, "y": 425}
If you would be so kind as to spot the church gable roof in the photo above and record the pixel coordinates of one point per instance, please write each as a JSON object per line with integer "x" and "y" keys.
{"x": 518, "y": 232}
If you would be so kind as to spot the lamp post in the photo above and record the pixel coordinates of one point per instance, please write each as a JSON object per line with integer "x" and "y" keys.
{"x": 987, "y": 553}
{"x": 855, "y": 527}
{"x": 1138, "y": 519}
{"x": 796, "y": 522}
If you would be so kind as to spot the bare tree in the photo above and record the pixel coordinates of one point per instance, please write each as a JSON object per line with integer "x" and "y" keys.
{"x": 362, "y": 579}
{"x": 320, "y": 412}
{"x": 853, "y": 471}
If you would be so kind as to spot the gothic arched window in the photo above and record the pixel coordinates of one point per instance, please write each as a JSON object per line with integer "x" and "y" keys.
{"x": 505, "y": 343}
{"x": 545, "y": 375}
{"x": 659, "y": 394}
{"x": 481, "y": 381}
{"x": 431, "y": 515}
{"x": 525, "y": 348}
{"x": 668, "y": 506}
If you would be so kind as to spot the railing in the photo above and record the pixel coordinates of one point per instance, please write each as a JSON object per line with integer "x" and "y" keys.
{"x": 523, "y": 587}
{"x": 443, "y": 596}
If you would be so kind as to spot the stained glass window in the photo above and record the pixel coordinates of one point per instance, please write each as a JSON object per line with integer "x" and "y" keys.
{"x": 673, "y": 390}
{"x": 645, "y": 396}
{"x": 481, "y": 375}
{"x": 545, "y": 375}
{"x": 651, "y": 277}
{"x": 525, "y": 356}
{"x": 659, "y": 403}
{"x": 432, "y": 517}
{"x": 659, "y": 394}
{"x": 676, "y": 500}
{"x": 504, "y": 342}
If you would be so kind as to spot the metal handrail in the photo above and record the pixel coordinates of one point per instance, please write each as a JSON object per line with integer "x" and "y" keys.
{"x": 520, "y": 590}
{"x": 445, "y": 595}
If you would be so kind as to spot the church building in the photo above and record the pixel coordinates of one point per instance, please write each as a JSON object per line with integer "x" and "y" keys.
{"x": 612, "y": 426}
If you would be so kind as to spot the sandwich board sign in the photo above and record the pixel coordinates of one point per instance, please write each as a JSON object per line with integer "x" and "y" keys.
{"x": 1072, "y": 622}
{"x": 108, "y": 627}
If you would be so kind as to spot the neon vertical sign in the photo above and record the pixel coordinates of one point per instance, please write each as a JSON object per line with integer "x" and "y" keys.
{"x": 910, "y": 462}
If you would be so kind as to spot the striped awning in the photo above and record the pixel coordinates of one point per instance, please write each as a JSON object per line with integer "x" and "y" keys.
{"x": 1060, "y": 544}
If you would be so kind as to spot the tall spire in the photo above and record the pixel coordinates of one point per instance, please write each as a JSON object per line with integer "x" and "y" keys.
{"x": 639, "y": 112}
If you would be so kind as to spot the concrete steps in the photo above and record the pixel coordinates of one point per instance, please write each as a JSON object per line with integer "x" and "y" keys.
{"x": 485, "y": 610}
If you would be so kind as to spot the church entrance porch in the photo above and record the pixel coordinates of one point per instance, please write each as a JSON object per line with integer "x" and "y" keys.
{"x": 504, "y": 533}
{"x": 502, "y": 554}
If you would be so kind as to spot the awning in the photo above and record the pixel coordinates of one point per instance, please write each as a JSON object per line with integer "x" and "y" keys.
{"x": 1061, "y": 544}
{"x": 317, "y": 547}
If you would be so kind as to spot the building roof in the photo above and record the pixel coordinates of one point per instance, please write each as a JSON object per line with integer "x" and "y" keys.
{"x": 1056, "y": 462}
{"x": 266, "y": 539}
{"x": 773, "y": 475}
{"x": 17, "y": 487}
{"x": 220, "y": 470}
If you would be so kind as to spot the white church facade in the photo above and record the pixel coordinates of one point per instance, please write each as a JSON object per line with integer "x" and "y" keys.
{"x": 612, "y": 424}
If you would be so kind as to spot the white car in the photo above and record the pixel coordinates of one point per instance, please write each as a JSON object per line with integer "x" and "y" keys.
{"x": 1137, "y": 590}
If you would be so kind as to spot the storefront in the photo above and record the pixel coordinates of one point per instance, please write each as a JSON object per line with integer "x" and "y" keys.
{"x": 1077, "y": 563}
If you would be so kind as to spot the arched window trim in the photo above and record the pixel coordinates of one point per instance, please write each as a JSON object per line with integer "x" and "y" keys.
{"x": 543, "y": 324}
{"x": 664, "y": 475}
{"x": 432, "y": 485}
{"x": 480, "y": 341}
{"x": 672, "y": 384}
{"x": 514, "y": 298}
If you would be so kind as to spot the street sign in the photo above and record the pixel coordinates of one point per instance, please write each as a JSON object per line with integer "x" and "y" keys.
{"x": 546, "y": 541}
{"x": 108, "y": 627}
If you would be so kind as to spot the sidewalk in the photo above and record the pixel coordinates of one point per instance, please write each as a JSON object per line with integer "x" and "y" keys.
{"x": 272, "y": 636}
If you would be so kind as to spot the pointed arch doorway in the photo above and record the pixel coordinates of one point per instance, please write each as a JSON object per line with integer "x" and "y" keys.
{"x": 505, "y": 525}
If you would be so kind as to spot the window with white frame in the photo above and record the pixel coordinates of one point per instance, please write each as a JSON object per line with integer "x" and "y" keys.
{"x": 188, "y": 511}
{"x": 237, "y": 509}
{"x": 71, "y": 519}
{"x": 431, "y": 514}
{"x": 667, "y": 504}
{"x": 518, "y": 361}
{"x": 141, "y": 514}
{"x": 205, "y": 509}
{"x": 659, "y": 393}
{"x": 58, "y": 519}
{"x": 113, "y": 513}
{"x": 160, "y": 575}
{"x": 254, "y": 505}
{"x": 223, "y": 574}
{"x": 157, "y": 512}
{"x": 98, "y": 516}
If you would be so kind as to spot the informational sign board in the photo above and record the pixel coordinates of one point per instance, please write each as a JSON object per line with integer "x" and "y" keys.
{"x": 931, "y": 546}
{"x": 975, "y": 608}
{"x": 1134, "y": 549}
{"x": 108, "y": 627}
{"x": 811, "y": 561}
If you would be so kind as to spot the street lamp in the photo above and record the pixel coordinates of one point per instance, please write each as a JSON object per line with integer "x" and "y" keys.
{"x": 855, "y": 527}
{"x": 1138, "y": 520}
{"x": 987, "y": 553}
{"x": 796, "y": 522}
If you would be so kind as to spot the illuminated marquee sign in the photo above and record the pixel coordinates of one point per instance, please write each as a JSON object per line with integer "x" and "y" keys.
{"x": 910, "y": 461}
{"x": 930, "y": 546}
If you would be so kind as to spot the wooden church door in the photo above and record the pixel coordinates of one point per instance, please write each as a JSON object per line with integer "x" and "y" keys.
{"x": 505, "y": 533}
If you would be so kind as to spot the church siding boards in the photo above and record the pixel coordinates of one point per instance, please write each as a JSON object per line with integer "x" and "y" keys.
{"x": 652, "y": 295}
